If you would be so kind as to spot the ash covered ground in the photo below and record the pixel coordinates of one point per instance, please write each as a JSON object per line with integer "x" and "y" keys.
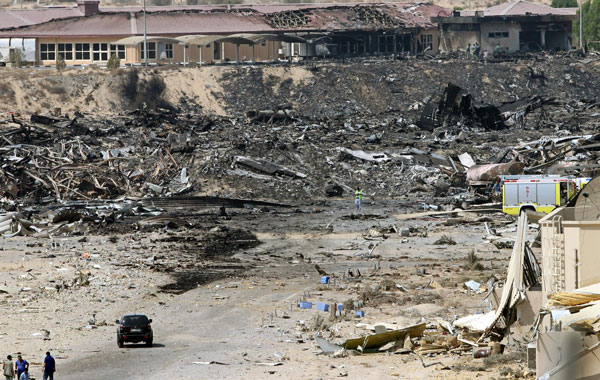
{"x": 209, "y": 211}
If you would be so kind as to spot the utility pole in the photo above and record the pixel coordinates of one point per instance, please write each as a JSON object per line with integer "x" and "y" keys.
{"x": 146, "y": 39}
{"x": 581, "y": 24}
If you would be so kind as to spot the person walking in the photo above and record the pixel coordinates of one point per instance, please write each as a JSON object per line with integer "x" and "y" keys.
{"x": 468, "y": 51}
{"x": 497, "y": 49}
{"x": 49, "y": 367}
{"x": 20, "y": 366}
{"x": 477, "y": 50}
{"x": 9, "y": 368}
{"x": 358, "y": 196}
{"x": 497, "y": 190}
{"x": 25, "y": 375}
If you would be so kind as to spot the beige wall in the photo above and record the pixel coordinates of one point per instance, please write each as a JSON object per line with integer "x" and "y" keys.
{"x": 265, "y": 52}
{"x": 436, "y": 41}
{"x": 510, "y": 43}
{"x": 559, "y": 348}
{"x": 574, "y": 245}
{"x": 261, "y": 53}
{"x": 458, "y": 40}
{"x": 582, "y": 240}
{"x": 130, "y": 53}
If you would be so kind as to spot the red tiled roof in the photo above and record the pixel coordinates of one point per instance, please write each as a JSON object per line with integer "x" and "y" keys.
{"x": 522, "y": 8}
{"x": 16, "y": 18}
{"x": 219, "y": 19}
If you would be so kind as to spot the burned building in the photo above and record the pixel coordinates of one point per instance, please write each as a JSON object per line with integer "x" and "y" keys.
{"x": 88, "y": 34}
{"x": 510, "y": 27}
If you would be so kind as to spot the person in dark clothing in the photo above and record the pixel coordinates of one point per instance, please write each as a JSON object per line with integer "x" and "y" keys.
{"x": 49, "y": 367}
{"x": 477, "y": 50}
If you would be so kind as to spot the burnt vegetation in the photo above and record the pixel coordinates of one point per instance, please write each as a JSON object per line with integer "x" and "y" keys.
{"x": 138, "y": 92}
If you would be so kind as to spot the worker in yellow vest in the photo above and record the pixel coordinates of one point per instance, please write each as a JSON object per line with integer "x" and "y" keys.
{"x": 358, "y": 195}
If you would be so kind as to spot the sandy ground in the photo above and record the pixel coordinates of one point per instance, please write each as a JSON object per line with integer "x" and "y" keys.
{"x": 249, "y": 322}
{"x": 97, "y": 90}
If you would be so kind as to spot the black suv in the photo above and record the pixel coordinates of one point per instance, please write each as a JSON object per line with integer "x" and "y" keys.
{"x": 134, "y": 328}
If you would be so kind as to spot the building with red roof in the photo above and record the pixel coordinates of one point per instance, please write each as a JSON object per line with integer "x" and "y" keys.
{"x": 87, "y": 33}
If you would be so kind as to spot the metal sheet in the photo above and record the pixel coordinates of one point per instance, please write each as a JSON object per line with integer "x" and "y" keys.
{"x": 527, "y": 192}
{"x": 511, "y": 195}
{"x": 379, "y": 340}
{"x": 134, "y": 40}
{"x": 546, "y": 194}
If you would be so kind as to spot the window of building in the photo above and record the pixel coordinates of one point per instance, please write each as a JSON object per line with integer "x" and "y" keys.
{"x": 386, "y": 44}
{"x": 82, "y": 52}
{"x": 100, "y": 51}
{"x": 118, "y": 50}
{"x": 65, "y": 51}
{"x": 427, "y": 41}
{"x": 498, "y": 34}
{"x": 47, "y": 52}
{"x": 169, "y": 50}
{"x": 151, "y": 50}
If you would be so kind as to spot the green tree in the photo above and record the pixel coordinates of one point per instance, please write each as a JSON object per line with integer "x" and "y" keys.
{"x": 564, "y": 4}
{"x": 16, "y": 58}
{"x": 113, "y": 62}
{"x": 60, "y": 63}
{"x": 591, "y": 22}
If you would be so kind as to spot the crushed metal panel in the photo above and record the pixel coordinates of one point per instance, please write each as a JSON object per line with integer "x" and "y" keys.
{"x": 513, "y": 289}
{"x": 379, "y": 340}
{"x": 466, "y": 160}
{"x": 576, "y": 297}
{"x": 326, "y": 346}
{"x": 585, "y": 320}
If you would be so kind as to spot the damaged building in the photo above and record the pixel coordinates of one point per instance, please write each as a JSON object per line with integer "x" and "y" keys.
{"x": 87, "y": 34}
{"x": 509, "y": 27}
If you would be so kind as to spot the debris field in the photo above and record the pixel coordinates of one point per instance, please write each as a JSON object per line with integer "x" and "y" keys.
{"x": 247, "y": 211}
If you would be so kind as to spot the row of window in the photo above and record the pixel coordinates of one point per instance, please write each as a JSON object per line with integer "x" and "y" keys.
{"x": 497, "y": 34}
{"x": 81, "y": 51}
{"x": 167, "y": 53}
{"x": 98, "y": 52}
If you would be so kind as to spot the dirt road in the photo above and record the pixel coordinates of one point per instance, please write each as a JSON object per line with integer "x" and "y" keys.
{"x": 243, "y": 326}
{"x": 195, "y": 328}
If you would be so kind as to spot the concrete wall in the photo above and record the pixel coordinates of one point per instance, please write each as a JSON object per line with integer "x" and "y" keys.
{"x": 458, "y": 40}
{"x": 576, "y": 242}
{"x": 510, "y": 43}
{"x": 576, "y": 354}
{"x": 553, "y": 241}
{"x": 435, "y": 37}
{"x": 582, "y": 240}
